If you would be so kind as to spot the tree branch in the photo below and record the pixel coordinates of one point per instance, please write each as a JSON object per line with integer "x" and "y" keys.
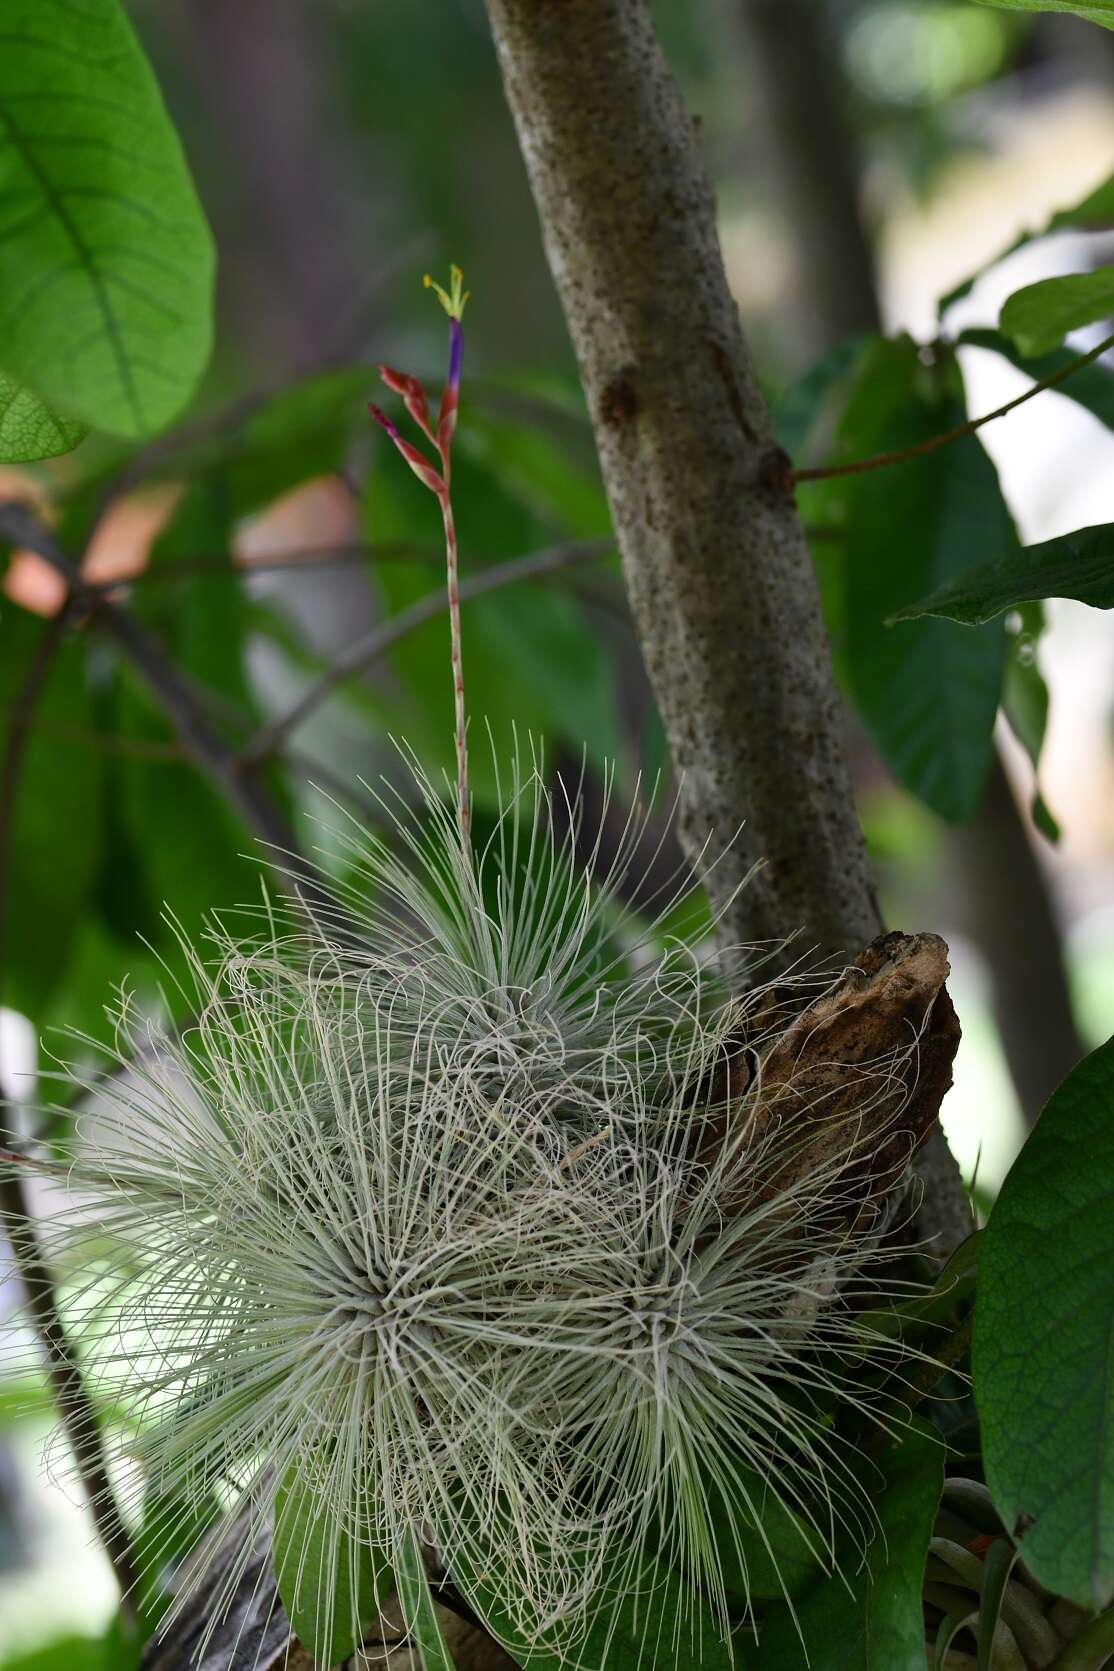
{"x": 716, "y": 561}
{"x": 375, "y": 644}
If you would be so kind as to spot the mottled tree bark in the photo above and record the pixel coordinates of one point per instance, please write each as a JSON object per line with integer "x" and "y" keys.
{"x": 718, "y": 571}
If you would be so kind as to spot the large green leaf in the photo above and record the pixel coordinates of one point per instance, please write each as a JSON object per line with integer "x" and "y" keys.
{"x": 774, "y": 1555}
{"x": 57, "y": 830}
{"x": 1044, "y": 1340}
{"x": 30, "y": 430}
{"x": 106, "y": 264}
{"x": 813, "y": 403}
{"x": 1039, "y": 316}
{"x": 1078, "y": 565}
{"x": 836, "y": 412}
{"x": 332, "y": 1588}
{"x": 117, "y": 1652}
{"x": 1095, "y": 11}
{"x": 927, "y": 691}
{"x": 531, "y": 465}
{"x": 870, "y": 1618}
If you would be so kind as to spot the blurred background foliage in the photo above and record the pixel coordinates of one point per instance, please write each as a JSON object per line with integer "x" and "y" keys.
{"x": 869, "y": 156}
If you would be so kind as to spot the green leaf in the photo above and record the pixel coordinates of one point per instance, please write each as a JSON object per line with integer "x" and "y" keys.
{"x": 106, "y": 263}
{"x": 1039, "y": 316}
{"x": 29, "y": 430}
{"x": 1044, "y": 1340}
{"x": 118, "y": 1650}
{"x": 927, "y": 691}
{"x": 70, "y": 1653}
{"x": 418, "y": 1610}
{"x": 1078, "y": 565}
{"x": 1025, "y": 701}
{"x": 871, "y": 1619}
{"x": 1095, "y": 11}
{"x": 539, "y": 473}
{"x": 58, "y": 826}
{"x": 332, "y": 1588}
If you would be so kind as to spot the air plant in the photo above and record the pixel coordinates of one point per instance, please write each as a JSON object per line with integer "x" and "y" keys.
{"x": 497, "y": 1237}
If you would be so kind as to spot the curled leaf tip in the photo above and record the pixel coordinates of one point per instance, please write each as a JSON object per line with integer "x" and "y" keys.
{"x": 453, "y": 299}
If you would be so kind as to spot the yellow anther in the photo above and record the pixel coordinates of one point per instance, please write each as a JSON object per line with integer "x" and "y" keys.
{"x": 453, "y": 299}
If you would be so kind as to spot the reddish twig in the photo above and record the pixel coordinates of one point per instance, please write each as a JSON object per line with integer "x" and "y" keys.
{"x": 856, "y": 467}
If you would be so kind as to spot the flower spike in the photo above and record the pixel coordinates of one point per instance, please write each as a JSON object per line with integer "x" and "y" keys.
{"x": 414, "y": 396}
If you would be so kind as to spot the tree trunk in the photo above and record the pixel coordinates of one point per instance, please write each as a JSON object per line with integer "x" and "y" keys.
{"x": 716, "y": 563}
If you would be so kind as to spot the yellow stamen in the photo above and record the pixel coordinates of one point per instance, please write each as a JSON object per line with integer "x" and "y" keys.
{"x": 453, "y": 299}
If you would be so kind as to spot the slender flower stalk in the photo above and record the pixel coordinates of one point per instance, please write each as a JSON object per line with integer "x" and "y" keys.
{"x": 439, "y": 482}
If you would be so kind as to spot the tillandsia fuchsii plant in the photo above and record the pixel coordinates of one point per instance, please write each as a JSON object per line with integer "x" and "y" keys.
{"x": 500, "y": 1236}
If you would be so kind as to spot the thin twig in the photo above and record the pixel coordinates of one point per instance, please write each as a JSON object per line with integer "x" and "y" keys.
{"x": 75, "y": 1407}
{"x": 822, "y": 472}
{"x": 374, "y": 644}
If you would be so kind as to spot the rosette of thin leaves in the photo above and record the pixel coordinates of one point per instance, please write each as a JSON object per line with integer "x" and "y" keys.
{"x": 455, "y": 1231}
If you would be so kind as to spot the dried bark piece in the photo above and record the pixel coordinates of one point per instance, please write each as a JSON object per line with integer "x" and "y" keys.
{"x": 862, "y": 1071}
